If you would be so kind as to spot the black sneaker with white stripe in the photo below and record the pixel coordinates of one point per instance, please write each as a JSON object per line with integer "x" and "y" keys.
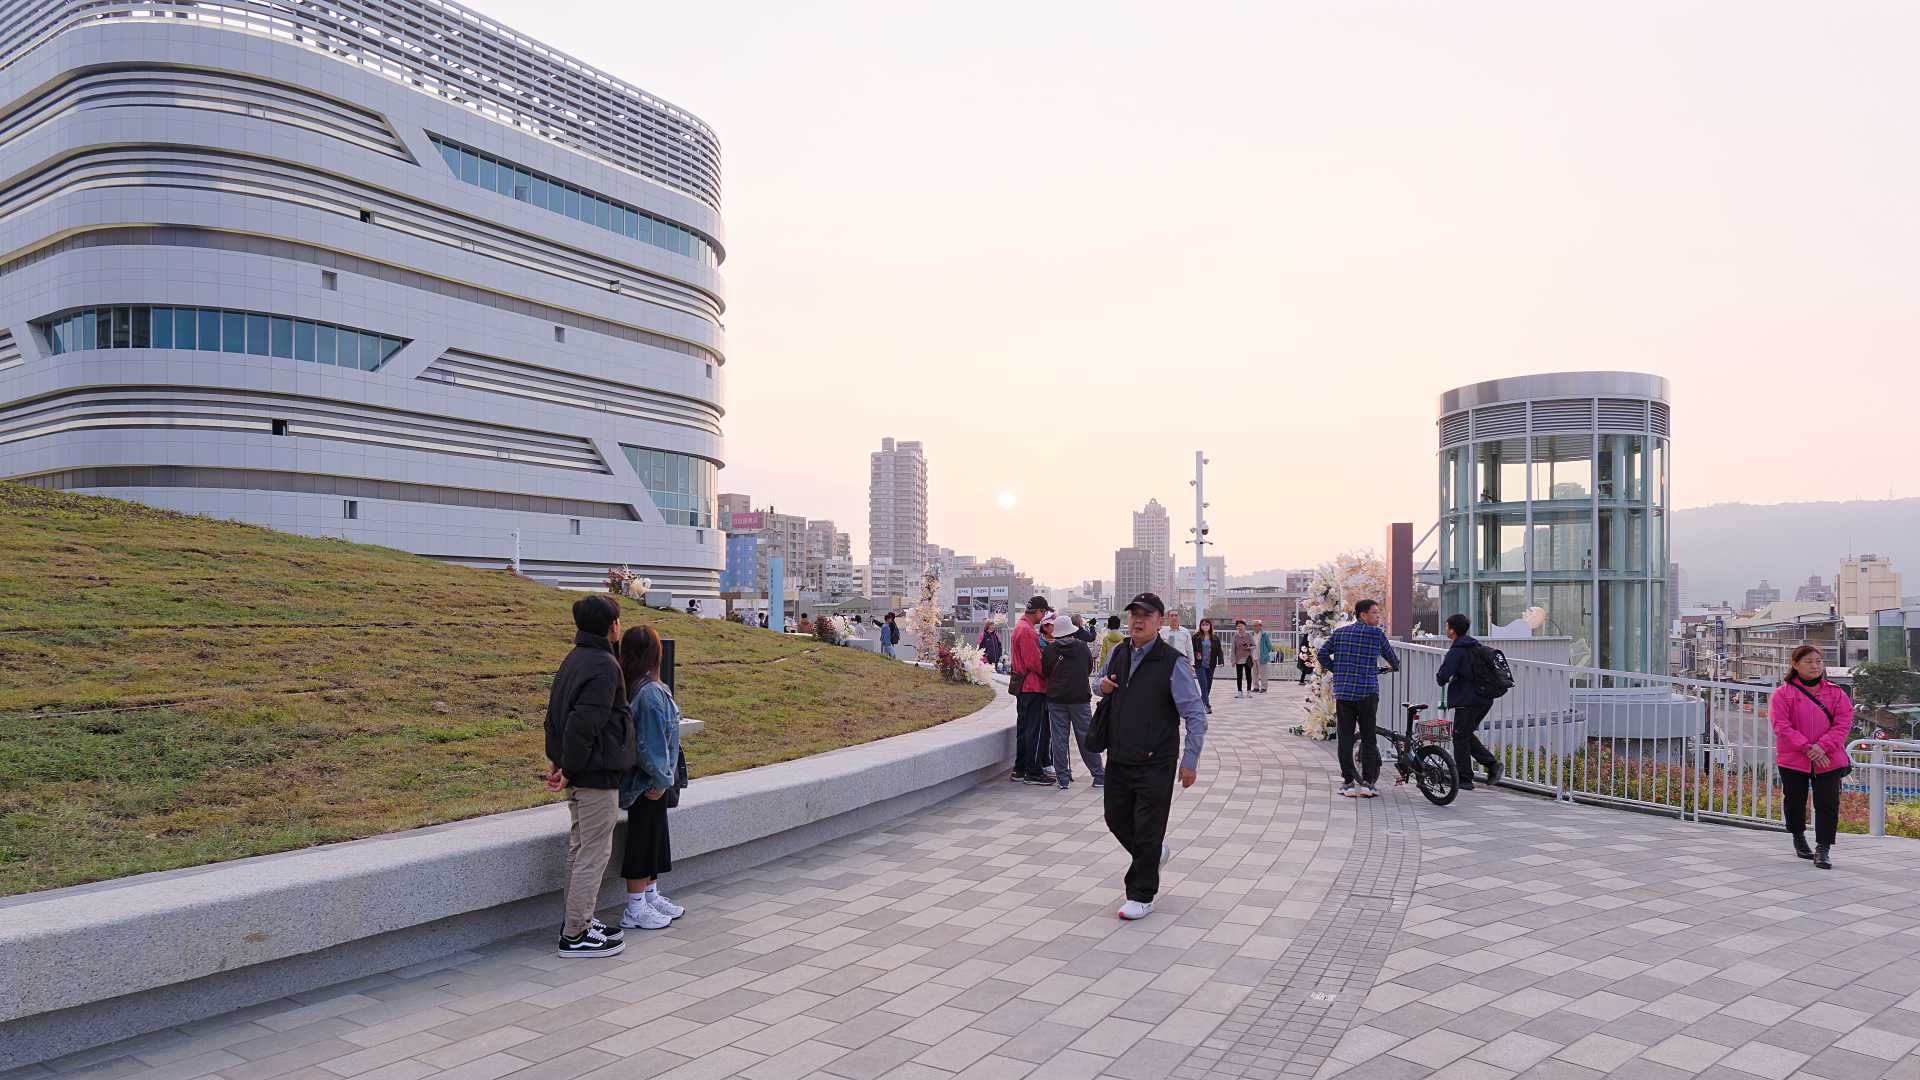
{"x": 591, "y": 942}
{"x": 611, "y": 933}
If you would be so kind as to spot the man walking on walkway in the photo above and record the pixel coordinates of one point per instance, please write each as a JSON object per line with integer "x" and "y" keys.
{"x": 1030, "y": 696}
{"x": 1068, "y": 667}
{"x": 589, "y": 748}
{"x": 1457, "y": 673}
{"x": 1181, "y": 640}
{"x": 1152, "y": 692}
{"x": 1352, "y": 654}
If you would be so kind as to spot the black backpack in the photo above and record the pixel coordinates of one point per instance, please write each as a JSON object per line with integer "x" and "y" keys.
{"x": 1491, "y": 676}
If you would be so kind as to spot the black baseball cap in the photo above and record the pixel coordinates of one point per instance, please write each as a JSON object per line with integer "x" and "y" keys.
{"x": 1147, "y": 601}
{"x": 1038, "y": 603}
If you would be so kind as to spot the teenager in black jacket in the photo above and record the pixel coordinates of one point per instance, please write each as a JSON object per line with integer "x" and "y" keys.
{"x": 589, "y": 748}
{"x": 1067, "y": 665}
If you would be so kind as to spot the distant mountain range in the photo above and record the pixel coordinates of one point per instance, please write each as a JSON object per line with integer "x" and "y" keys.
{"x": 1727, "y": 548}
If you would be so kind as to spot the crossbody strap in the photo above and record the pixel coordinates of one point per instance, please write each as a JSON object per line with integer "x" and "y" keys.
{"x": 1816, "y": 701}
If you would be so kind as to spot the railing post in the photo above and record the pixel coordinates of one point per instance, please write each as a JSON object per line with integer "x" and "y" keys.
{"x": 1877, "y": 793}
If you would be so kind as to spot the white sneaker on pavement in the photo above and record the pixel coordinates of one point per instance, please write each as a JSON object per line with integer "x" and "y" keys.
{"x": 1350, "y": 791}
{"x": 658, "y": 902}
{"x": 1134, "y": 909}
{"x": 641, "y": 915}
{"x": 1368, "y": 791}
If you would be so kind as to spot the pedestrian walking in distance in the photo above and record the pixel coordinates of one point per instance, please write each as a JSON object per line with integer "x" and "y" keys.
{"x": 1204, "y": 648}
{"x": 589, "y": 749}
{"x": 1172, "y": 634}
{"x": 889, "y": 636}
{"x": 1353, "y": 654}
{"x": 1029, "y": 685}
{"x": 656, "y": 732}
{"x": 1459, "y": 674}
{"x": 1152, "y": 692}
{"x": 990, "y": 645}
{"x": 1811, "y": 718}
{"x": 1067, "y": 665}
{"x": 1262, "y": 656}
{"x": 1242, "y": 659}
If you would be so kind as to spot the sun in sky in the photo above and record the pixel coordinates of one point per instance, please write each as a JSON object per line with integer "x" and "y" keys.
{"x": 1008, "y": 500}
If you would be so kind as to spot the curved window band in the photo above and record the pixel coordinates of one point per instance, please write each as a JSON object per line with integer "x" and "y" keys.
{"x": 252, "y": 333}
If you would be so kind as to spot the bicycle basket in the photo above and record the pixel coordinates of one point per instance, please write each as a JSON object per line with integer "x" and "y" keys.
{"x": 1434, "y": 732}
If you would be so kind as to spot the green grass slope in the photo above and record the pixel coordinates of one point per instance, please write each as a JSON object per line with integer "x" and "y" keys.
{"x": 176, "y": 690}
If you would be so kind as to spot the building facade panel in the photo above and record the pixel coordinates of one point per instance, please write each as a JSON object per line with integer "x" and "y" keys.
{"x": 547, "y": 384}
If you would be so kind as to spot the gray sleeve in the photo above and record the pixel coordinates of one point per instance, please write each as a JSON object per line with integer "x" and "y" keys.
{"x": 1193, "y": 711}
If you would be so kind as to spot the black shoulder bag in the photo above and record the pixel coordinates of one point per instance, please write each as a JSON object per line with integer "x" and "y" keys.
{"x": 1098, "y": 732}
{"x": 1822, "y": 706}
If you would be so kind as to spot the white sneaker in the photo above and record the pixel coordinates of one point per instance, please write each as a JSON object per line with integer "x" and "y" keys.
{"x": 1368, "y": 791}
{"x": 1350, "y": 791}
{"x": 641, "y": 915}
{"x": 1134, "y": 909}
{"x": 664, "y": 906}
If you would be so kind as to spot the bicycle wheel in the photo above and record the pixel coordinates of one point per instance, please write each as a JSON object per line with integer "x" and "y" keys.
{"x": 1433, "y": 771}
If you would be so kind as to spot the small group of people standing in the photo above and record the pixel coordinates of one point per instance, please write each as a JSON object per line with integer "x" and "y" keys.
{"x": 1047, "y": 706}
{"x": 1250, "y": 651}
{"x": 613, "y": 744}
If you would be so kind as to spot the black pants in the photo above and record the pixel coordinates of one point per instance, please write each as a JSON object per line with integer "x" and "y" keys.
{"x": 1138, "y": 799}
{"x": 1467, "y": 747}
{"x": 1243, "y": 675}
{"x": 1029, "y": 733}
{"x": 1826, "y": 801}
{"x": 1354, "y": 722}
{"x": 1303, "y": 673}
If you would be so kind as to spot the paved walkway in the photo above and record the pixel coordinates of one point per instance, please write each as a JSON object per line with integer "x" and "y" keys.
{"x": 1298, "y": 935}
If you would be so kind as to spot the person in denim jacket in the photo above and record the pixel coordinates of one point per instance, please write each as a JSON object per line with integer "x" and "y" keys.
{"x": 656, "y": 731}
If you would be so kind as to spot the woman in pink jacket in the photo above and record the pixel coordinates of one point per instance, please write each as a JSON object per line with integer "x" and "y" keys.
{"x": 1811, "y": 720}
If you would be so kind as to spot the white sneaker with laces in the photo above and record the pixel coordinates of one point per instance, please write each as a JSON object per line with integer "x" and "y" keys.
{"x": 1350, "y": 791}
{"x": 664, "y": 906}
{"x": 1134, "y": 909}
{"x": 641, "y": 915}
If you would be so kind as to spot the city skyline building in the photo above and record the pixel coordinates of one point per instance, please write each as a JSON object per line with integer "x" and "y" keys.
{"x": 1761, "y": 595}
{"x": 1866, "y": 584}
{"x": 323, "y": 271}
{"x": 1153, "y": 533}
{"x": 1133, "y": 570}
{"x": 1814, "y": 591}
{"x": 1554, "y": 493}
{"x": 897, "y": 506}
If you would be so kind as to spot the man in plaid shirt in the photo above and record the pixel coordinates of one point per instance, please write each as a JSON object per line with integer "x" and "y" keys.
{"x": 1352, "y": 653}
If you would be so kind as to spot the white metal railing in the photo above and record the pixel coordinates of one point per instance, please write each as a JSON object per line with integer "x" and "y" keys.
{"x": 1886, "y": 759}
{"x": 1699, "y": 749}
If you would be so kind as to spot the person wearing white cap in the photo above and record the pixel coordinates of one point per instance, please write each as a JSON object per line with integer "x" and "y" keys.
{"x": 1067, "y": 665}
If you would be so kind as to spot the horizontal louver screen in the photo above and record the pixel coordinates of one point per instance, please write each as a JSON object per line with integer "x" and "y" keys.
{"x": 9, "y": 351}
{"x": 228, "y": 93}
{"x": 297, "y": 418}
{"x": 1453, "y": 429}
{"x": 449, "y": 52}
{"x": 497, "y": 376}
{"x": 1574, "y": 415}
{"x": 1662, "y": 420}
{"x": 1498, "y": 421}
{"x": 1619, "y": 415}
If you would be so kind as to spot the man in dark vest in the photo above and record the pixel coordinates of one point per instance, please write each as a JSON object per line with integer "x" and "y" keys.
{"x": 1152, "y": 690}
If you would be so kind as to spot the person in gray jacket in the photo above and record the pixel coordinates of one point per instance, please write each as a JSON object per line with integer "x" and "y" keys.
{"x": 1067, "y": 666}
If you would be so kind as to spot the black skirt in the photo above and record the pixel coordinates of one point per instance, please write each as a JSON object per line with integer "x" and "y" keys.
{"x": 649, "y": 852}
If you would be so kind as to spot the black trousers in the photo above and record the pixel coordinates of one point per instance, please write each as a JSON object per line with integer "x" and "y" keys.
{"x": 1467, "y": 747}
{"x": 1354, "y": 721}
{"x": 1304, "y": 669}
{"x": 1243, "y": 675}
{"x": 1826, "y": 801}
{"x": 1138, "y": 799}
{"x": 1030, "y": 733}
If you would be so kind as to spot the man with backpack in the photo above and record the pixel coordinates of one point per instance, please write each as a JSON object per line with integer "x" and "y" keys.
{"x": 1473, "y": 680}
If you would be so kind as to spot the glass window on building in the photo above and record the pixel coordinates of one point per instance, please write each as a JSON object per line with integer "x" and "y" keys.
{"x": 1502, "y": 547}
{"x": 1500, "y": 604}
{"x": 1562, "y": 542}
{"x": 681, "y": 486}
{"x": 1622, "y": 468}
{"x": 1562, "y": 467}
{"x": 213, "y": 330}
{"x": 1456, "y": 486}
{"x": 1623, "y": 538}
{"x": 1569, "y": 608}
{"x": 1623, "y": 611}
{"x": 1500, "y": 471}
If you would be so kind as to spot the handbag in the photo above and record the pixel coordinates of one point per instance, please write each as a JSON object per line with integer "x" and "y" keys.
{"x": 1099, "y": 731}
{"x": 1831, "y": 722}
{"x": 672, "y": 796}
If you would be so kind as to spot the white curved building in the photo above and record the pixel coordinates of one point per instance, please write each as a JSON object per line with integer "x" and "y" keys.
{"x": 383, "y": 270}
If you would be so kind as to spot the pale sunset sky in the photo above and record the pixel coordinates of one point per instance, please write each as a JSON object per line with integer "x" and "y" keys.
{"x": 1065, "y": 245}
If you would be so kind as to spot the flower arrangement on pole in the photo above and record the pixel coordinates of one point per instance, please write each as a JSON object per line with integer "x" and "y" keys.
{"x": 1328, "y": 605}
{"x": 923, "y": 618}
{"x": 622, "y": 581}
